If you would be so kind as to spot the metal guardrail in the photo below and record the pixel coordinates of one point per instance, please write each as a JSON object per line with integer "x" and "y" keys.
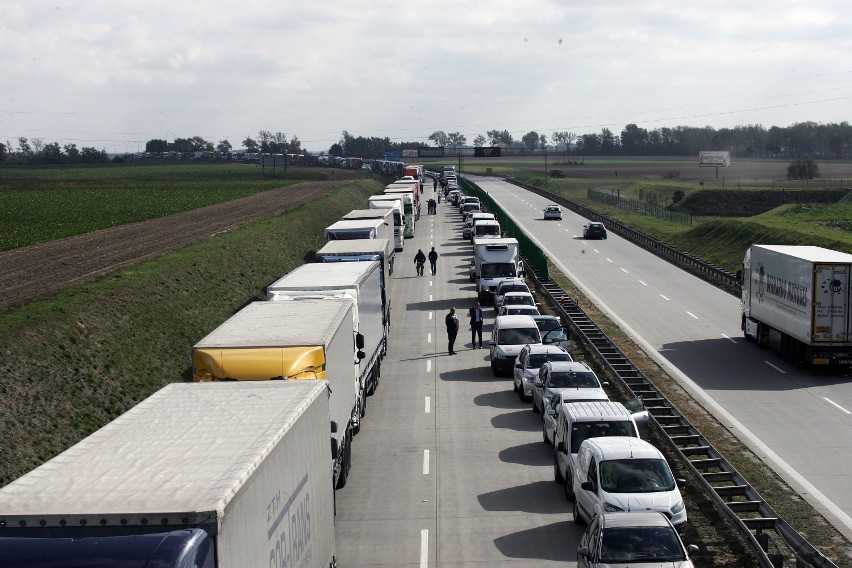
{"x": 701, "y": 268}
{"x": 741, "y": 503}
{"x": 748, "y": 512}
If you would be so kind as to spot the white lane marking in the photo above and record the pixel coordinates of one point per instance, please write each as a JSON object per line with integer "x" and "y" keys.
{"x": 430, "y": 297}
{"x": 693, "y": 315}
{"x": 428, "y": 405}
{"x": 624, "y": 270}
{"x": 776, "y": 368}
{"x": 664, "y": 298}
{"x": 424, "y": 548}
{"x": 642, "y": 283}
{"x": 430, "y": 315}
{"x": 597, "y": 251}
{"x": 608, "y": 259}
{"x": 428, "y": 338}
{"x": 430, "y": 283}
{"x": 835, "y": 405}
{"x": 728, "y": 338}
{"x": 425, "y": 462}
{"x": 428, "y": 365}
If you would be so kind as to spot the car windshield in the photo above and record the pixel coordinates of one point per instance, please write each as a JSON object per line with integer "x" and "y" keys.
{"x": 636, "y": 476}
{"x": 498, "y": 270}
{"x": 571, "y": 379}
{"x": 623, "y": 545}
{"x": 538, "y": 359}
{"x": 583, "y": 430}
{"x": 518, "y": 336}
{"x": 518, "y": 300}
{"x": 519, "y": 311}
{"x": 487, "y": 230}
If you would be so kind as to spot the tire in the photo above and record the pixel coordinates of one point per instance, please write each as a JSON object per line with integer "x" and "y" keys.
{"x": 534, "y": 408}
{"x": 544, "y": 437}
{"x": 578, "y": 520}
{"x": 557, "y": 475}
{"x": 521, "y": 394}
{"x": 569, "y": 486}
{"x": 494, "y": 369}
{"x": 514, "y": 386}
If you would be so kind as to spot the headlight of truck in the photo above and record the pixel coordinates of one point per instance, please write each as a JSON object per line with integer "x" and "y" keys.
{"x": 677, "y": 508}
{"x": 610, "y": 508}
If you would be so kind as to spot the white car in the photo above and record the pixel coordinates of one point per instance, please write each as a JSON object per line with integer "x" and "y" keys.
{"x": 552, "y": 212}
{"x": 622, "y": 474}
{"x": 509, "y": 335}
{"x": 518, "y": 310}
{"x": 517, "y": 299}
{"x": 529, "y": 361}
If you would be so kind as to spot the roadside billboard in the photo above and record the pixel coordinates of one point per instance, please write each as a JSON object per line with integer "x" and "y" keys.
{"x": 487, "y": 151}
{"x": 714, "y": 159}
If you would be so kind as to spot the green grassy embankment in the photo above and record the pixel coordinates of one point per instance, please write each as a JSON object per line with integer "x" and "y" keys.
{"x": 70, "y": 364}
{"x": 43, "y": 204}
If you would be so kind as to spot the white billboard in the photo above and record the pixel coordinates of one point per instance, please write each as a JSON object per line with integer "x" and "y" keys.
{"x": 714, "y": 159}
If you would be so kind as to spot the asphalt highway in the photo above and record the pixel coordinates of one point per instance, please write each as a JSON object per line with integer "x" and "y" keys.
{"x": 799, "y": 421}
{"x": 449, "y": 468}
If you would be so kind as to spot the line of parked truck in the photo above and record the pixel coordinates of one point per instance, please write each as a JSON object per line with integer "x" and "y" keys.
{"x": 239, "y": 468}
{"x": 609, "y": 471}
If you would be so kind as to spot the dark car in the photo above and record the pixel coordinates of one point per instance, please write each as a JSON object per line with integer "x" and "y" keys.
{"x": 594, "y": 230}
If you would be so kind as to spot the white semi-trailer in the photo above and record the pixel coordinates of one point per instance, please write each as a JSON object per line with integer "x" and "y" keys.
{"x": 360, "y": 281}
{"x": 384, "y": 202}
{"x": 224, "y": 475}
{"x": 309, "y": 340}
{"x": 799, "y": 296}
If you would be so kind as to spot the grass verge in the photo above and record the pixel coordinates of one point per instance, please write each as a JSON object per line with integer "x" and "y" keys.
{"x": 70, "y": 364}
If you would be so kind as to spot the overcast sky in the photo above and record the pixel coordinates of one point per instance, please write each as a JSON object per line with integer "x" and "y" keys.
{"x": 113, "y": 74}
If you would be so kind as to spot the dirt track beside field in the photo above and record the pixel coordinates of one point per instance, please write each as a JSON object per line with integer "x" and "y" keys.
{"x": 39, "y": 271}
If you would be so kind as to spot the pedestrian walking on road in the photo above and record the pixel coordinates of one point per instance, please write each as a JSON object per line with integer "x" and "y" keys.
{"x": 434, "y": 185}
{"x": 452, "y": 330}
{"x": 433, "y": 261}
{"x": 420, "y": 261}
{"x": 475, "y": 315}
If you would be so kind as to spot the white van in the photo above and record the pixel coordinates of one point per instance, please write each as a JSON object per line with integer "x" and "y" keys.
{"x": 625, "y": 474}
{"x": 577, "y": 421}
{"x": 509, "y": 335}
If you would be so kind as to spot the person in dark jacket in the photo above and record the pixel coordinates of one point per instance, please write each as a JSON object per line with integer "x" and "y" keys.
{"x": 433, "y": 261}
{"x": 475, "y": 315}
{"x": 452, "y": 330}
{"x": 420, "y": 261}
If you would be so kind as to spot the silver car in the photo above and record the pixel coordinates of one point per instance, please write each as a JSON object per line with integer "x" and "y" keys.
{"x": 615, "y": 540}
{"x": 529, "y": 361}
{"x": 560, "y": 376}
{"x": 553, "y": 212}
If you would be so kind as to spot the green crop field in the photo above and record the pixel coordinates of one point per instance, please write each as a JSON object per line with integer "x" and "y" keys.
{"x": 43, "y": 204}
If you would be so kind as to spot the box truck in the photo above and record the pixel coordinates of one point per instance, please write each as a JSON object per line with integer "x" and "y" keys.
{"x": 360, "y": 281}
{"x": 384, "y": 202}
{"x": 413, "y": 185}
{"x": 408, "y": 208}
{"x": 386, "y": 214}
{"x": 493, "y": 260}
{"x": 359, "y": 229}
{"x": 226, "y": 475}
{"x": 356, "y": 250}
{"x": 306, "y": 340}
{"x": 800, "y": 293}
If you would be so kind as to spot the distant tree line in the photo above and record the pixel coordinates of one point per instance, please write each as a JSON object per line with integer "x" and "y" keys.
{"x": 804, "y": 139}
{"x": 798, "y": 141}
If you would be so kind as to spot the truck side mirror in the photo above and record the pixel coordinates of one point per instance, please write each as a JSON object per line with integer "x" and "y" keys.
{"x": 334, "y": 449}
{"x": 359, "y": 341}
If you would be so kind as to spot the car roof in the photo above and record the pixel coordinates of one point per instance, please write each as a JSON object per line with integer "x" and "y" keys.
{"x": 553, "y": 207}
{"x": 542, "y": 317}
{"x": 591, "y": 411}
{"x": 511, "y": 281}
{"x": 517, "y": 294}
{"x": 505, "y": 322}
{"x": 568, "y": 366}
{"x": 595, "y": 223}
{"x": 545, "y": 348}
{"x": 623, "y": 447}
{"x": 637, "y": 519}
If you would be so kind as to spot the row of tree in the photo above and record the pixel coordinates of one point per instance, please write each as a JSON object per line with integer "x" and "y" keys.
{"x": 800, "y": 140}
{"x": 804, "y": 139}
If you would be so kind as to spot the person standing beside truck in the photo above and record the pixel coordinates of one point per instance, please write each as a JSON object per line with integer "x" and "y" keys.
{"x": 433, "y": 261}
{"x": 419, "y": 261}
{"x": 452, "y": 322}
{"x": 475, "y": 315}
